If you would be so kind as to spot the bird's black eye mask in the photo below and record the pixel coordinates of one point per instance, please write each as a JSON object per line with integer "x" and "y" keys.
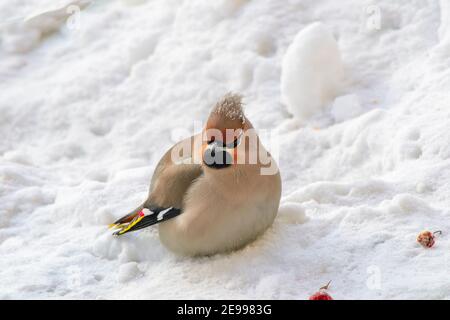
{"x": 218, "y": 155}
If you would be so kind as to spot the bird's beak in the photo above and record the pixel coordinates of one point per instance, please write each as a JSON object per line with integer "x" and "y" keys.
{"x": 216, "y": 156}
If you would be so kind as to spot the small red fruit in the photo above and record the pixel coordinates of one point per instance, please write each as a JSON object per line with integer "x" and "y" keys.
{"x": 322, "y": 294}
{"x": 426, "y": 238}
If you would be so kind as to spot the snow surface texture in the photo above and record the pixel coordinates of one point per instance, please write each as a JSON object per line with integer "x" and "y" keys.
{"x": 85, "y": 115}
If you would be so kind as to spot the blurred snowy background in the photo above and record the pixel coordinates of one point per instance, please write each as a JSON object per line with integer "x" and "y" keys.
{"x": 92, "y": 93}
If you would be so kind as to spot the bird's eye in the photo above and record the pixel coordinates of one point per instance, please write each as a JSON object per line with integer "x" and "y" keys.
{"x": 235, "y": 143}
{"x": 222, "y": 144}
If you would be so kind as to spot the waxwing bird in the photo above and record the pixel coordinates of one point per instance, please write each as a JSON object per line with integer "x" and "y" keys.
{"x": 213, "y": 192}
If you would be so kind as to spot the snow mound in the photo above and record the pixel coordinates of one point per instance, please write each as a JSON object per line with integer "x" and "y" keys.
{"x": 23, "y": 36}
{"x": 312, "y": 71}
{"x": 128, "y": 271}
{"x": 292, "y": 213}
{"x": 444, "y": 28}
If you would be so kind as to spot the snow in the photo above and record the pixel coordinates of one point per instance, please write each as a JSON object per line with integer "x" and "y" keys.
{"x": 312, "y": 71}
{"x": 128, "y": 271}
{"x": 346, "y": 107}
{"x": 86, "y": 113}
{"x": 23, "y": 35}
{"x": 292, "y": 213}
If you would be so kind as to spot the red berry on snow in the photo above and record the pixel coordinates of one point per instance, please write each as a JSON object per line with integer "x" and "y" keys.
{"x": 426, "y": 238}
{"x": 322, "y": 294}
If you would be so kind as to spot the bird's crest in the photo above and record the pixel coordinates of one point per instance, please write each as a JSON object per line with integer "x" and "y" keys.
{"x": 230, "y": 107}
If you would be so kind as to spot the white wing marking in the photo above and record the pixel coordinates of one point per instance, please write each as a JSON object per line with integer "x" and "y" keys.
{"x": 162, "y": 213}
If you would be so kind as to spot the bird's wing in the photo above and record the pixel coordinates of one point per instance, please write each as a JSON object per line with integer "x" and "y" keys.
{"x": 170, "y": 182}
{"x": 174, "y": 175}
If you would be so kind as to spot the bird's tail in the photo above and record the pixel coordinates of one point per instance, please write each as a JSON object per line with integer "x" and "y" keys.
{"x": 142, "y": 217}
